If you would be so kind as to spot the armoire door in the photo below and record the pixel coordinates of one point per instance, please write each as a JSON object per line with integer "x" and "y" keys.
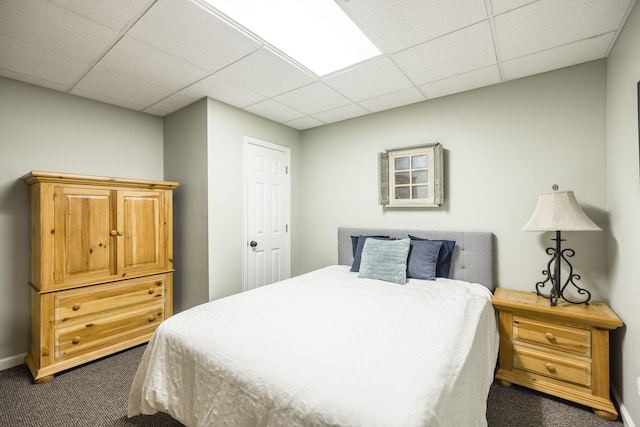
{"x": 84, "y": 247}
{"x": 141, "y": 232}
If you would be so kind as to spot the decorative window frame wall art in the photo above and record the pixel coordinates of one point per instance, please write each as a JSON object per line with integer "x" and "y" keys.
{"x": 411, "y": 176}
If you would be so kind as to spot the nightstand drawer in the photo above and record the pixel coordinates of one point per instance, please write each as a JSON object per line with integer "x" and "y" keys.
{"x": 565, "y": 369}
{"x": 553, "y": 335}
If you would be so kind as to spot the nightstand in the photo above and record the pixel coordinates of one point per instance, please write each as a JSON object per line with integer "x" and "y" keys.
{"x": 562, "y": 350}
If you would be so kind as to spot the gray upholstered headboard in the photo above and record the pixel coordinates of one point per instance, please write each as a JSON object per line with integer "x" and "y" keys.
{"x": 472, "y": 259}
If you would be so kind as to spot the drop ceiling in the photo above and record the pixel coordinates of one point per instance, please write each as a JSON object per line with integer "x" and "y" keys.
{"x": 158, "y": 56}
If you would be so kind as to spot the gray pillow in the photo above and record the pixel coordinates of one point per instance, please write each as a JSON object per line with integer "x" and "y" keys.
{"x": 423, "y": 259}
{"x": 385, "y": 260}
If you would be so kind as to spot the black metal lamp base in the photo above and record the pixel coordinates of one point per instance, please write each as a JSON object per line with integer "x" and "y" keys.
{"x": 553, "y": 276}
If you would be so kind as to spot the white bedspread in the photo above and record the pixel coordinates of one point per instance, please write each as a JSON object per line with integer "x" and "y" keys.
{"x": 326, "y": 349}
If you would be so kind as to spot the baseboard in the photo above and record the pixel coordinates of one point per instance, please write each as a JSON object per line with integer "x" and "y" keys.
{"x": 10, "y": 362}
{"x": 624, "y": 414}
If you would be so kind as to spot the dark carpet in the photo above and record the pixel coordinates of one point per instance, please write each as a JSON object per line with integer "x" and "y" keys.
{"x": 96, "y": 394}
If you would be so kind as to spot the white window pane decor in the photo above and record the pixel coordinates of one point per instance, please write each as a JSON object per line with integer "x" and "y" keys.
{"x": 411, "y": 177}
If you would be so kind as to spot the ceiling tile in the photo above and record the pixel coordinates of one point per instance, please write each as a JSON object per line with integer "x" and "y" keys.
{"x": 393, "y": 25}
{"x": 447, "y": 56}
{"x": 266, "y": 73}
{"x": 114, "y": 14}
{"x": 40, "y": 64}
{"x": 313, "y": 98}
{"x": 33, "y": 80}
{"x": 563, "y": 56}
{"x": 185, "y": 30}
{"x": 460, "y": 83}
{"x": 369, "y": 79}
{"x": 393, "y": 100}
{"x": 143, "y": 62}
{"x": 174, "y": 102}
{"x": 218, "y": 88}
{"x": 155, "y": 111}
{"x": 341, "y": 113}
{"x": 274, "y": 110}
{"x": 158, "y": 56}
{"x": 549, "y": 23}
{"x": 54, "y": 28}
{"x": 304, "y": 123}
{"x": 502, "y": 6}
{"x": 117, "y": 86}
{"x": 107, "y": 99}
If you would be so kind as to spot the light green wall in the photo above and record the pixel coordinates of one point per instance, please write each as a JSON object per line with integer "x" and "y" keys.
{"x": 41, "y": 129}
{"x": 504, "y": 144}
{"x": 185, "y": 153}
{"x": 227, "y": 128}
{"x": 623, "y": 202}
{"x": 204, "y": 151}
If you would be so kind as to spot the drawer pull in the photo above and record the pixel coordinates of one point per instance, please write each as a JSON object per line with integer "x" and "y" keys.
{"x": 76, "y": 340}
{"x": 150, "y": 291}
{"x": 550, "y": 337}
{"x": 76, "y": 307}
{"x": 550, "y": 367}
{"x": 151, "y": 318}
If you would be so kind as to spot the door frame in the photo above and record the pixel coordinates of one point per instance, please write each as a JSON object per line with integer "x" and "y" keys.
{"x": 286, "y": 209}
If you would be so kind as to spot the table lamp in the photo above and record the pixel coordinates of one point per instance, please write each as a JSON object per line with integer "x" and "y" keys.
{"x": 559, "y": 211}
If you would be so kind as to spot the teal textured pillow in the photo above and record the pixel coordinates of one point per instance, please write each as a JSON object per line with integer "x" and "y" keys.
{"x": 385, "y": 260}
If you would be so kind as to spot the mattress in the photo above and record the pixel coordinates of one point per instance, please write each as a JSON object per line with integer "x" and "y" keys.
{"x": 326, "y": 349}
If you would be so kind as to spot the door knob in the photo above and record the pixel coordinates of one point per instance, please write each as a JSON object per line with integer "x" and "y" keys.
{"x": 253, "y": 244}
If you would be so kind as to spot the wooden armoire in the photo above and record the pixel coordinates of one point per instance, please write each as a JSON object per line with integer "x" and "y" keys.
{"x": 101, "y": 266}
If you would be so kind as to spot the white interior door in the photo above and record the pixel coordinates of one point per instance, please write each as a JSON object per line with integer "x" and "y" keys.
{"x": 267, "y": 212}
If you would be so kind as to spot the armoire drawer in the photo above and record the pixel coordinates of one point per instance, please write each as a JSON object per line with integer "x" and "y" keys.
{"x": 73, "y": 305}
{"x": 102, "y": 331}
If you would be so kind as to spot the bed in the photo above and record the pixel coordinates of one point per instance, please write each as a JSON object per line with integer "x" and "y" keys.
{"x": 335, "y": 347}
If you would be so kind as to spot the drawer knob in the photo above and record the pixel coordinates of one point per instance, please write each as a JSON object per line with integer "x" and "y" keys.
{"x": 152, "y": 318}
{"x": 76, "y": 340}
{"x": 550, "y": 367}
{"x": 150, "y": 291}
{"x": 550, "y": 337}
{"x": 76, "y": 307}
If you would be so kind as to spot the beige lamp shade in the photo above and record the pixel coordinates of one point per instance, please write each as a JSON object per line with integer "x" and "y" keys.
{"x": 559, "y": 211}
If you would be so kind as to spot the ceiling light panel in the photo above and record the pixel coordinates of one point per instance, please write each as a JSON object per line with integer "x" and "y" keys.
{"x": 315, "y": 33}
